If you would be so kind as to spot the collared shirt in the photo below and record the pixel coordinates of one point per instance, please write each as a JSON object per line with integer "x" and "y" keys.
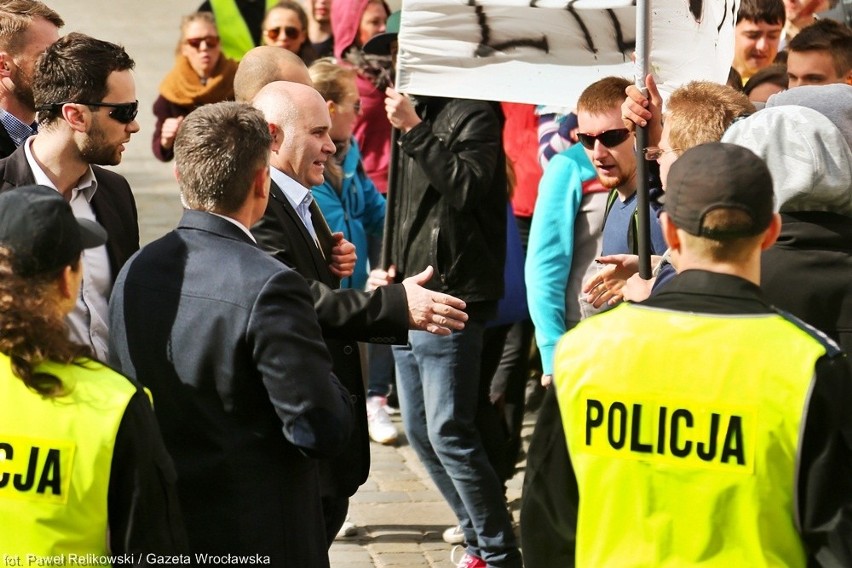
{"x": 18, "y": 131}
{"x": 237, "y": 224}
{"x": 299, "y": 197}
{"x": 89, "y": 321}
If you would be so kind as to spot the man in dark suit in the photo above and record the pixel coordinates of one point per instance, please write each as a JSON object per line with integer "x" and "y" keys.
{"x": 292, "y": 230}
{"x": 226, "y": 338}
{"x": 27, "y": 27}
{"x": 86, "y": 95}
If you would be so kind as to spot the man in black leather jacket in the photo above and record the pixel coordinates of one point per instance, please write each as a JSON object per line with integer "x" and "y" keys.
{"x": 448, "y": 208}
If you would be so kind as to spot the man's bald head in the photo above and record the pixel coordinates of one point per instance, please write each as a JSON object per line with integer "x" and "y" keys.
{"x": 300, "y": 123}
{"x": 265, "y": 64}
{"x": 283, "y": 102}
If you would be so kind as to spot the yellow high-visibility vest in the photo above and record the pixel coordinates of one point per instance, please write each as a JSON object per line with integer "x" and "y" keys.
{"x": 684, "y": 438}
{"x": 233, "y": 30}
{"x": 55, "y": 460}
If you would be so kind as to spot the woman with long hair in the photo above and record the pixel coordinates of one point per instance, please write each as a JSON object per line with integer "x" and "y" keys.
{"x": 201, "y": 75}
{"x": 83, "y": 468}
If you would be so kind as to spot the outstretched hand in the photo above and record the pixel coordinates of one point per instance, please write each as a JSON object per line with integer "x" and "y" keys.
{"x": 605, "y": 286}
{"x": 432, "y": 311}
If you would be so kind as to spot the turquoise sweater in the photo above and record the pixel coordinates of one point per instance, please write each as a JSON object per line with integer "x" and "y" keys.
{"x": 550, "y": 251}
{"x": 358, "y": 211}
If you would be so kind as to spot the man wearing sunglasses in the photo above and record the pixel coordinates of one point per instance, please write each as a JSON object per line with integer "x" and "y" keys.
{"x": 86, "y": 97}
{"x": 609, "y": 145}
{"x": 28, "y": 27}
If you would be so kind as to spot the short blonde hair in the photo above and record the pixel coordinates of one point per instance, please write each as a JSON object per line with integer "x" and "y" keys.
{"x": 701, "y": 111}
{"x": 603, "y": 96}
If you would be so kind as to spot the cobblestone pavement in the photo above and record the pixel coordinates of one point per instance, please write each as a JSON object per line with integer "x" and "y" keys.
{"x": 400, "y": 514}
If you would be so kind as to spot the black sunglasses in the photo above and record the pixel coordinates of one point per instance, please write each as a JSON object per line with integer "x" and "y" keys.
{"x": 289, "y": 31}
{"x": 608, "y": 138}
{"x": 121, "y": 112}
{"x": 195, "y": 42}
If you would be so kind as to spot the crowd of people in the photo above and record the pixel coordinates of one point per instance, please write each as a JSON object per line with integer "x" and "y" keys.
{"x": 214, "y": 392}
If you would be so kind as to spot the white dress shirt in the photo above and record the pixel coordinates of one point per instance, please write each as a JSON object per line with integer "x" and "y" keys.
{"x": 299, "y": 197}
{"x": 89, "y": 321}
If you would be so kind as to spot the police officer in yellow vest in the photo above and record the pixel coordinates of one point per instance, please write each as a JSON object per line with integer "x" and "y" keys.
{"x": 83, "y": 470}
{"x": 704, "y": 426}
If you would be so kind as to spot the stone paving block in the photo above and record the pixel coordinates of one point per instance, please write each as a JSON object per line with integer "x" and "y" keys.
{"x": 395, "y": 544}
{"x": 440, "y": 558}
{"x": 344, "y": 553}
{"x": 381, "y": 497}
{"x": 406, "y": 486}
{"x": 436, "y": 513}
{"x": 405, "y": 559}
{"x": 426, "y": 495}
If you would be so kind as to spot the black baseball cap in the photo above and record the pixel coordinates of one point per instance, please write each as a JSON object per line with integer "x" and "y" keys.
{"x": 380, "y": 44}
{"x": 714, "y": 176}
{"x": 39, "y": 228}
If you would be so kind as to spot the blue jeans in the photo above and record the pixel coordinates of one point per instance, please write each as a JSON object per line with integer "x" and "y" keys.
{"x": 438, "y": 379}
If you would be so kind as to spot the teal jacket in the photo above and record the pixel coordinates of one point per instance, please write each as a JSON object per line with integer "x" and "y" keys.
{"x": 552, "y": 270}
{"x": 357, "y": 211}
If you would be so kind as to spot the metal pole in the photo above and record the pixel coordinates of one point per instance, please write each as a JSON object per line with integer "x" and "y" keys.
{"x": 643, "y": 37}
{"x": 393, "y": 187}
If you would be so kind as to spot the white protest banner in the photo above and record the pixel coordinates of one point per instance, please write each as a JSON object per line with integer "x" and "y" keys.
{"x": 547, "y": 52}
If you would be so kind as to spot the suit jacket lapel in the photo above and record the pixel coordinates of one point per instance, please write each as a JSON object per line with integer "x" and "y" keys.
{"x": 320, "y": 264}
{"x": 17, "y": 171}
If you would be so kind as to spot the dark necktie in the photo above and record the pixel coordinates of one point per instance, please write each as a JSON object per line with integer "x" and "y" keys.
{"x": 324, "y": 239}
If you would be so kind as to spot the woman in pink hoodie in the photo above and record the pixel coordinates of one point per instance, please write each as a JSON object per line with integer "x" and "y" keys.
{"x": 353, "y": 23}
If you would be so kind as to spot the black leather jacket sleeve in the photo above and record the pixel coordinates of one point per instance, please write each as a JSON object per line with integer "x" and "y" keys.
{"x": 458, "y": 153}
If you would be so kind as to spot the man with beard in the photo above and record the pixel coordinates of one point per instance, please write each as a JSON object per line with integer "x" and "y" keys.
{"x": 27, "y": 27}
{"x": 86, "y": 97}
{"x": 609, "y": 145}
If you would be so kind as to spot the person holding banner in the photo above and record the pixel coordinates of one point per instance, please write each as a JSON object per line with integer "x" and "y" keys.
{"x": 609, "y": 145}
{"x": 696, "y": 113}
{"x": 450, "y": 211}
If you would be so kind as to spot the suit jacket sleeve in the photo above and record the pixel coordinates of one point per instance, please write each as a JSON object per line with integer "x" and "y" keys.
{"x": 380, "y": 316}
{"x": 295, "y": 367}
{"x": 375, "y": 317}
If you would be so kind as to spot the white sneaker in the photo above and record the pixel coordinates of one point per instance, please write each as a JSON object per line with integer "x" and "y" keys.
{"x": 379, "y": 423}
{"x": 454, "y": 535}
{"x": 348, "y": 529}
